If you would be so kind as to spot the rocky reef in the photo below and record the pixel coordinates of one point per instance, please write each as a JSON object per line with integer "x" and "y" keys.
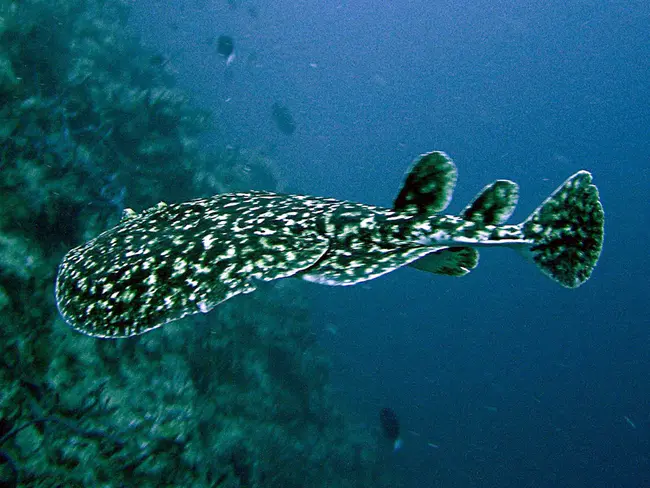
{"x": 90, "y": 122}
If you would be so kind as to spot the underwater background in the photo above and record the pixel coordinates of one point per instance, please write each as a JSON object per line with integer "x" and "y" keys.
{"x": 500, "y": 378}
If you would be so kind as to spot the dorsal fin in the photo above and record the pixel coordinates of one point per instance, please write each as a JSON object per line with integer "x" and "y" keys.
{"x": 429, "y": 185}
{"x": 450, "y": 261}
{"x": 494, "y": 204}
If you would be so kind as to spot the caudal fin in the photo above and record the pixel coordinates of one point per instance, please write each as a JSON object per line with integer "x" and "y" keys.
{"x": 567, "y": 231}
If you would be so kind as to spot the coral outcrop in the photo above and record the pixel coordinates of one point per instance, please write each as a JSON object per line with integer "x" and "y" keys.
{"x": 90, "y": 121}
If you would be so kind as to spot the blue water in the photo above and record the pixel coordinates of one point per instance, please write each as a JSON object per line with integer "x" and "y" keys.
{"x": 515, "y": 381}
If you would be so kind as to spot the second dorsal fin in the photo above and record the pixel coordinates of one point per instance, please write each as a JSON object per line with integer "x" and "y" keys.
{"x": 429, "y": 185}
{"x": 494, "y": 204}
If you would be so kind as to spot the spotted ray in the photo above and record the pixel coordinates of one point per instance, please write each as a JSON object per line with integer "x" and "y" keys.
{"x": 180, "y": 259}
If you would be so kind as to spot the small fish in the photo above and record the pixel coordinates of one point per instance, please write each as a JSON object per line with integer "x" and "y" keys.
{"x": 175, "y": 260}
{"x": 226, "y": 48}
{"x": 629, "y": 421}
{"x": 332, "y": 329}
{"x": 390, "y": 427}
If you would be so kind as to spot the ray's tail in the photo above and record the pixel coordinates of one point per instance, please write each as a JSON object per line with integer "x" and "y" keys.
{"x": 566, "y": 231}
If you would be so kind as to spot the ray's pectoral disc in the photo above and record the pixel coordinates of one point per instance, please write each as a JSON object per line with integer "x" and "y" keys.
{"x": 176, "y": 260}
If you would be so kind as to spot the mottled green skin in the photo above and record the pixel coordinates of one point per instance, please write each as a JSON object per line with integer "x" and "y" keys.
{"x": 429, "y": 185}
{"x": 567, "y": 231}
{"x": 175, "y": 260}
{"x": 494, "y": 204}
